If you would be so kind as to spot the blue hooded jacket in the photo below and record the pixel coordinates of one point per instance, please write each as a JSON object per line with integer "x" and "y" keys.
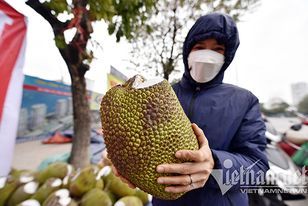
{"x": 228, "y": 115}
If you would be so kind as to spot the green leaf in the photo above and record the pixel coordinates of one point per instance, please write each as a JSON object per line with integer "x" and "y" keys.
{"x": 119, "y": 34}
{"x": 149, "y": 29}
{"x": 60, "y": 41}
{"x": 101, "y": 9}
{"x": 58, "y": 6}
{"x": 111, "y": 28}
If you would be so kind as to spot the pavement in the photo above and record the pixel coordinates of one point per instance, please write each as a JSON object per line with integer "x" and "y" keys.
{"x": 29, "y": 155}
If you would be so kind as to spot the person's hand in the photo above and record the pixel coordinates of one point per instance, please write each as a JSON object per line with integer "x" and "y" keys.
{"x": 115, "y": 171}
{"x": 105, "y": 161}
{"x": 191, "y": 175}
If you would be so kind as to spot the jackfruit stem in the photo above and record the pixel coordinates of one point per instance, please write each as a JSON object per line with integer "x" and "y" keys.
{"x": 137, "y": 79}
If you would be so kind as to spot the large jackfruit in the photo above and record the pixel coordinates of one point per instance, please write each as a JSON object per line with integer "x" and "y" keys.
{"x": 144, "y": 125}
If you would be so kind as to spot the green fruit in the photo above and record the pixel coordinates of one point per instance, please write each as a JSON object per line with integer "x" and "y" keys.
{"x": 57, "y": 170}
{"x": 67, "y": 179}
{"x": 144, "y": 125}
{"x": 7, "y": 187}
{"x": 16, "y": 173}
{"x": 23, "y": 193}
{"x": 60, "y": 198}
{"x": 99, "y": 184}
{"x": 115, "y": 184}
{"x": 129, "y": 201}
{"x": 96, "y": 197}
{"x": 99, "y": 181}
{"x": 82, "y": 182}
{"x": 29, "y": 202}
{"x": 144, "y": 197}
{"x": 9, "y": 184}
{"x": 51, "y": 185}
{"x": 112, "y": 197}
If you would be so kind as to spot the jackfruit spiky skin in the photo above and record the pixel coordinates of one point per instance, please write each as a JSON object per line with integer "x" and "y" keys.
{"x": 143, "y": 128}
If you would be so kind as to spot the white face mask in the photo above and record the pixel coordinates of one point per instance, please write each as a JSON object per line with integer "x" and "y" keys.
{"x": 204, "y": 64}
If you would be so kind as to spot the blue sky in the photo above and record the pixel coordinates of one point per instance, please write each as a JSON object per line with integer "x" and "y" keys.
{"x": 272, "y": 55}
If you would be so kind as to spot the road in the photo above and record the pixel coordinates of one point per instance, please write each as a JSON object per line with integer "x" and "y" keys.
{"x": 29, "y": 155}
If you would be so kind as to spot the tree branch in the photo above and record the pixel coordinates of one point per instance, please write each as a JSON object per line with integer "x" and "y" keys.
{"x": 45, "y": 12}
{"x": 174, "y": 32}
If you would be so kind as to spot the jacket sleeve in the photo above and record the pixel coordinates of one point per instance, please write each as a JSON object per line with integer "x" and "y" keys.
{"x": 246, "y": 152}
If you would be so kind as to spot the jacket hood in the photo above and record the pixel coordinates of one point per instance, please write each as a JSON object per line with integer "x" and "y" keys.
{"x": 214, "y": 25}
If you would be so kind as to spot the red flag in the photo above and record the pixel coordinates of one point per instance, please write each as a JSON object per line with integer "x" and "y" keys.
{"x": 12, "y": 46}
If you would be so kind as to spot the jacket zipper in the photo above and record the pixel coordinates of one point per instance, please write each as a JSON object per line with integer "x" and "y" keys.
{"x": 192, "y": 103}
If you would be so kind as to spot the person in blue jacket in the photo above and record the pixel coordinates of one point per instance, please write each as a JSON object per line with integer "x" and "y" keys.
{"x": 230, "y": 131}
{"x": 226, "y": 120}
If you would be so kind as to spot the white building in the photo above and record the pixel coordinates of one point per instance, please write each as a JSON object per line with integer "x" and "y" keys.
{"x": 299, "y": 90}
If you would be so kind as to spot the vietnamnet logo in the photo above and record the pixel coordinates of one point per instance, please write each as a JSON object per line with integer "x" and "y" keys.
{"x": 252, "y": 181}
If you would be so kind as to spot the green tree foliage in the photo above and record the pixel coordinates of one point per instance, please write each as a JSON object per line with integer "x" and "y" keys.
{"x": 277, "y": 108}
{"x": 123, "y": 18}
{"x": 303, "y": 105}
{"x": 157, "y": 47}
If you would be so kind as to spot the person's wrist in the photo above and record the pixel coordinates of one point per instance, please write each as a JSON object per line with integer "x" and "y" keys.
{"x": 215, "y": 160}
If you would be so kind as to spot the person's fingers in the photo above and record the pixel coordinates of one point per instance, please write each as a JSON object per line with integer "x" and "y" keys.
{"x": 184, "y": 168}
{"x": 114, "y": 170}
{"x": 193, "y": 155}
{"x": 196, "y": 155}
{"x": 185, "y": 188}
{"x": 100, "y": 131}
{"x": 178, "y": 189}
{"x": 200, "y": 135}
{"x": 183, "y": 179}
{"x": 175, "y": 180}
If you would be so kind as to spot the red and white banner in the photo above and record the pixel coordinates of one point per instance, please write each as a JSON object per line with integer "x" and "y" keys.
{"x": 13, "y": 29}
